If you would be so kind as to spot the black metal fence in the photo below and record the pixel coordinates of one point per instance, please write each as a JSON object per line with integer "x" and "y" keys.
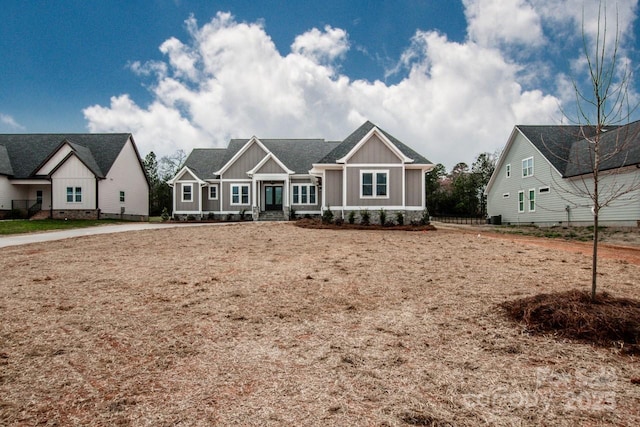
{"x": 460, "y": 219}
{"x": 24, "y": 208}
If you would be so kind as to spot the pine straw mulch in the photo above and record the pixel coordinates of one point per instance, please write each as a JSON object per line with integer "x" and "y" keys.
{"x": 273, "y": 324}
{"x": 607, "y": 321}
{"x": 336, "y": 225}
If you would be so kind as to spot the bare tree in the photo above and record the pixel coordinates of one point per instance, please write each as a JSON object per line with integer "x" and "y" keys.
{"x": 603, "y": 114}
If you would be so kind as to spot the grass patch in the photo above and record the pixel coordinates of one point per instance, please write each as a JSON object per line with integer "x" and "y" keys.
{"x": 20, "y": 226}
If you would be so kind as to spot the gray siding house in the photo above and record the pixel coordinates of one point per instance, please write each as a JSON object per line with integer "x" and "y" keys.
{"x": 268, "y": 178}
{"x": 544, "y": 172}
{"x": 85, "y": 176}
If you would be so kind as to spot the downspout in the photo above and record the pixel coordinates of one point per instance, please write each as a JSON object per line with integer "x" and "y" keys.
{"x": 51, "y": 197}
{"x": 97, "y": 198}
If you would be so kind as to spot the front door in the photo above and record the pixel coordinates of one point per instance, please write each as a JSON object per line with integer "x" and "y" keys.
{"x": 273, "y": 198}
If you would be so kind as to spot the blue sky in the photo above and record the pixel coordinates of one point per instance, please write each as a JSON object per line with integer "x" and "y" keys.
{"x": 450, "y": 78}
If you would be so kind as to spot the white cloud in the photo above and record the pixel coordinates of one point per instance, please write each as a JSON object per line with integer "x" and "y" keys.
{"x": 10, "y": 123}
{"x": 229, "y": 80}
{"x": 491, "y": 22}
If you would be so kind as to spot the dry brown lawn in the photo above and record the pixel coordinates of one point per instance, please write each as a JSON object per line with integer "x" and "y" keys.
{"x": 271, "y": 324}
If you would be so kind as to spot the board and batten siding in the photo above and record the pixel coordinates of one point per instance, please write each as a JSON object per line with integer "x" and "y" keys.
{"x": 225, "y": 191}
{"x": 374, "y": 151}
{"x": 209, "y": 205}
{"x": 271, "y": 166}
{"x": 394, "y": 187}
{"x": 333, "y": 187}
{"x": 126, "y": 174}
{"x": 191, "y": 206}
{"x": 73, "y": 173}
{"x": 246, "y": 162}
{"x": 55, "y": 160}
{"x": 414, "y": 180}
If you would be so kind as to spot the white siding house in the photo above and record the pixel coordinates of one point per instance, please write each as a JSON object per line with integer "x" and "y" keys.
{"x": 73, "y": 176}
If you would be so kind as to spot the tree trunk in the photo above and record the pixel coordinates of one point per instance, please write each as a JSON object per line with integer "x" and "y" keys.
{"x": 594, "y": 266}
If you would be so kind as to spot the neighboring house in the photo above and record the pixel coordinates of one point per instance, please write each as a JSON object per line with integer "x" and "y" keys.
{"x": 268, "y": 178}
{"x": 543, "y": 172}
{"x": 85, "y": 176}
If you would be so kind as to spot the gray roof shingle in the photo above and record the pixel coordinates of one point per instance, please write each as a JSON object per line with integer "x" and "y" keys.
{"x": 568, "y": 149}
{"x": 5, "y": 162}
{"x": 27, "y": 152}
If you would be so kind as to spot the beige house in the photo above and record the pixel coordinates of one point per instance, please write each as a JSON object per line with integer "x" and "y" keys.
{"x": 86, "y": 176}
{"x": 269, "y": 178}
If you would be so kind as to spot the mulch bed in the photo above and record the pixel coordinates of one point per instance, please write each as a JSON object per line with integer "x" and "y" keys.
{"x": 604, "y": 322}
{"x": 318, "y": 224}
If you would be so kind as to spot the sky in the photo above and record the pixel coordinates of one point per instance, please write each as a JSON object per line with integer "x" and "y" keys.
{"x": 449, "y": 78}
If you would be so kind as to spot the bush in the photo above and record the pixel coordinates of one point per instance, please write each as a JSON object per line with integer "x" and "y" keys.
{"x": 424, "y": 220}
{"x": 364, "y": 217}
{"x": 211, "y": 216}
{"x": 400, "y": 218}
{"x": 383, "y": 217}
{"x": 292, "y": 214}
{"x": 327, "y": 216}
{"x": 165, "y": 214}
{"x": 339, "y": 221}
{"x": 191, "y": 218}
{"x": 352, "y": 217}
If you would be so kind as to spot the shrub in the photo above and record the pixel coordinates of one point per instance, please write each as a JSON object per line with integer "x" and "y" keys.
{"x": 352, "y": 217}
{"x": 292, "y": 214}
{"x": 424, "y": 220}
{"x": 191, "y": 218}
{"x": 242, "y": 214}
{"x": 339, "y": 221}
{"x": 229, "y": 217}
{"x": 383, "y": 217}
{"x": 327, "y": 216}
{"x": 211, "y": 216}
{"x": 400, "y": 218}
{"x": 165, "y": 214}
{"x": 364, "y": 217}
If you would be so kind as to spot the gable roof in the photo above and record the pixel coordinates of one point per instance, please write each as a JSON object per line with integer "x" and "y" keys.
{"x": 568, "y": 149}
{"x": 352, "y": 140}
{"x": 26, "y": 153}
{"x": 204, "y": 162}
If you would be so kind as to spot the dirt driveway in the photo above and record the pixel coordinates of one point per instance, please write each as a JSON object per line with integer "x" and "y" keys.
{"x": 271, "y": 324}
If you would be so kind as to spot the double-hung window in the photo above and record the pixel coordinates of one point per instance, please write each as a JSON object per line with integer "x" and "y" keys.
{"x": 374, "y": 184}
{"x": 74, "y": 194}
{"x": 532, "y": 200}
{"x": 508, "y": 169}
{"x": 187, "y": 192}
{"x": 520, "y": 201}
{"x": 527, "y": 167}
{"x": 240, "y": 194}
{"x": 213, "y": 192}
{"x": 303, "y": 194}
{"x": 122, "y": 197}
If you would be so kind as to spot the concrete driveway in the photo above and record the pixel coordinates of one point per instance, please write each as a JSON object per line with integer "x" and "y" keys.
{"x": 23, "y": 239}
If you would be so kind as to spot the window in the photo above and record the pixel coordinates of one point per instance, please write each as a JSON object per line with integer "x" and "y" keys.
{"x": 532, "y": 200}
{"x": 122, "y": 197}
{"x": 527, "y": 167}
{"x": 304, "y": 194}
{"x": 374, "y": 184}
{"x": 187, "y": 195}
{"x": 520, "y": 201}
{"x": 505, "y": 195}
{"x": 544, "y": 190}
{"x": 74, "y": 194}
{"x": 240, "y": 194}
{"x": 508, "y": 171}
{"x": 213, "y": 192}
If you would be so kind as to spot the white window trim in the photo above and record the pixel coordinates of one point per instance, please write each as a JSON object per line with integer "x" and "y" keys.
{"x": 374, "y": 181}
{"x": 508, "y": 170}
{"x": 190, "y": 192}
{"x": 240, "y": 187}
{"x": 217, "y": 191}
{"x": 74, "y": 194}
{"x": 122, "y": 196}
{"x": 521, "y": 201}
{"x": 308, "y": 203}
{"x": 530, "y": 192}
{"x": 526, "y": 169}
